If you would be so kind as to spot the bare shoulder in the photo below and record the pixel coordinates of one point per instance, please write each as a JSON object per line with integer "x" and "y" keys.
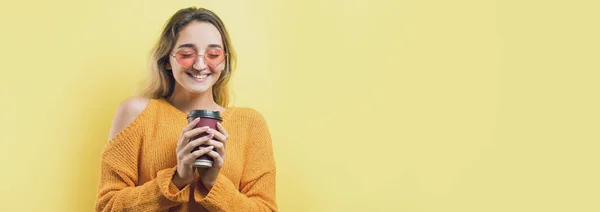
{"x": 128, "y": 110}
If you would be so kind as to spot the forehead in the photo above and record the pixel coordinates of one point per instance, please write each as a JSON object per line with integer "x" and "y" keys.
{"x": 200, "y": 34}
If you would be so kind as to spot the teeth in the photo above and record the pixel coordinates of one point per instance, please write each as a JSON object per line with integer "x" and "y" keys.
{"x": 199, "y": 76}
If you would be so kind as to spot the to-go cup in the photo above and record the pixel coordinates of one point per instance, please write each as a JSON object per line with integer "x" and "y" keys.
{"x": 207, "y": 118}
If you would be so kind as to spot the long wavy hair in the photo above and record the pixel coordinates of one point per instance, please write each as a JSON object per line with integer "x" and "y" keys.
{"x": 160, "y": 83}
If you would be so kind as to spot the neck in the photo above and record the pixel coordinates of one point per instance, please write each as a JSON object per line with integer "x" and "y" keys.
{"x": 187, "y": 101}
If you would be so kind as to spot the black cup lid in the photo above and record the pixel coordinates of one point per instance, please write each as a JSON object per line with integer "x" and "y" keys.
{"x": 205, "y": 114}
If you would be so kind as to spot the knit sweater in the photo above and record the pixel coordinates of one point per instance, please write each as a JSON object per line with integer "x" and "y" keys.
{"x": 138, "y": 164}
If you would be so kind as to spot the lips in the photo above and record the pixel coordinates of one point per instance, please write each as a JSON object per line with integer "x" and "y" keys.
{"x": 198, "y": 76}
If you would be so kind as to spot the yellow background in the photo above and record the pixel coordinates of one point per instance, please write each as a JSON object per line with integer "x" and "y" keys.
{"x": 466, "y": 105}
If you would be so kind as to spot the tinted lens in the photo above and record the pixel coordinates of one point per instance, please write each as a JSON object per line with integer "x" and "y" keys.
{"x": 214, "y": 57}
{"x": 186, "y": 58}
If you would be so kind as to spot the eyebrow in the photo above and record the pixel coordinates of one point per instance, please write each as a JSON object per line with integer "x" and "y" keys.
{"x": 191, "y": 45}
{"x": 215, "y": 46}
{"x": 187, "y": 45}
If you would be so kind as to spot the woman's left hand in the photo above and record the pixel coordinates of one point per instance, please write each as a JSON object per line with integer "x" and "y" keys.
{"x": 209, "y": 175}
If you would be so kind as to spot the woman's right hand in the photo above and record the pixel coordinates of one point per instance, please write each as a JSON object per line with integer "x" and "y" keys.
{"x": 185, "y": 157}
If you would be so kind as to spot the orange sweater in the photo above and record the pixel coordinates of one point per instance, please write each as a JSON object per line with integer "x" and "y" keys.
{"x": 138, "y": 164}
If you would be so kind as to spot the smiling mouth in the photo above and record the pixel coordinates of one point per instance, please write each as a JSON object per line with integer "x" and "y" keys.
{"x": 198, "y": 75}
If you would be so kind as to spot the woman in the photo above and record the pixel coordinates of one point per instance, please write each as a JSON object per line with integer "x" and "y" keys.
{"x": 147, "y": 162}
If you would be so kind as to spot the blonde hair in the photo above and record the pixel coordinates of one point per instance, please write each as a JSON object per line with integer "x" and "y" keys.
{"x": 161, "y": 83}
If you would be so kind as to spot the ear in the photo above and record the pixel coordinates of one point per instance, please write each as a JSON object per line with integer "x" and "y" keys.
{"x": 168, "y": 66}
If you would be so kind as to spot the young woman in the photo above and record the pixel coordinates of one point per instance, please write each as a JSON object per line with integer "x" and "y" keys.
{"x": 147, "y": 163}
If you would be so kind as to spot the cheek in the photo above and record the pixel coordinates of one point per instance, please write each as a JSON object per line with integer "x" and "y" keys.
{"x": 219, "y": 69}
{"x": 175, "y": 67}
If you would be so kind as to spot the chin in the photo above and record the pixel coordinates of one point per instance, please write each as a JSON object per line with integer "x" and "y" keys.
{"x": 198, "y": 89}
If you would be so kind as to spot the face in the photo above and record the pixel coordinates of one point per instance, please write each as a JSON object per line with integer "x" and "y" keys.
{"x": 198, "y": 58}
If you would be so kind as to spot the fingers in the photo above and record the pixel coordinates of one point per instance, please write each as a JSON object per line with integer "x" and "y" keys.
{"x": 220, "y": 134}
{"x": 197, "y": 142}
{"x": 216, "y": 157}
{"x": 187, "y": 136}
{"x": 191, "y": 125}
{"x": 188, "y": 127}
{"x": 189, "y": 160}
{"x": 219, "y": 147}
{"x": 194, "y": 132}
{"x": 222, "y": 129}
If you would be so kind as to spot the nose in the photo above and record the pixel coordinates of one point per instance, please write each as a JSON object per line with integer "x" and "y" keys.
{"x": 200, "y": 64}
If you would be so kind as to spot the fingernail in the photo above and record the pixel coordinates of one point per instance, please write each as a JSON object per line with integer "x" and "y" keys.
{"x": 206, "y": 127}
{"x": 211, "y": 147}
{"x": 196, "y": 119}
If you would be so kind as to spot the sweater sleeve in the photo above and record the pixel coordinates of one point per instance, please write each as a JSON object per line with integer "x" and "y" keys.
{"x": 119, "y": 189}
{"x": 257, "y": 186}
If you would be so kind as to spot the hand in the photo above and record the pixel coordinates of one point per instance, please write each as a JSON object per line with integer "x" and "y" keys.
{"x": 209, "y": 176}
{"x": 185, "y": 157}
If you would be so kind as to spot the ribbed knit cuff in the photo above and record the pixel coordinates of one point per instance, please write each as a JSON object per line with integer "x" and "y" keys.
{"x": 164, "y": 179}
{"x": 217, "y": 197}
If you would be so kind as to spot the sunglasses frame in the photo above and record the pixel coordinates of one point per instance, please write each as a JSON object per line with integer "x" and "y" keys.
{"x": 225, "y": 55}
